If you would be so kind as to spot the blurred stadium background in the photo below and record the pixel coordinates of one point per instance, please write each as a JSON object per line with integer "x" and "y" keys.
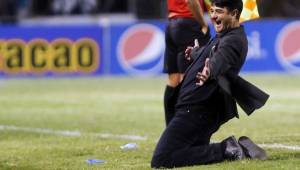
{"x": 80, "y": 78}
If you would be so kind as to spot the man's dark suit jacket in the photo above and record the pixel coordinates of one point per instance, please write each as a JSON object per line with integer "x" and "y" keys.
{"x": 227, "y": 56}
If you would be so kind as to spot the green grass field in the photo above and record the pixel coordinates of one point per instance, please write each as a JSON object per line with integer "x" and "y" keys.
{"x": 127, "y": 106}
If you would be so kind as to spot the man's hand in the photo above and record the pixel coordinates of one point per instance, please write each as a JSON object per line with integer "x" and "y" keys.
{"x": 204, "y": 74}
{"x": 189, "y": 49}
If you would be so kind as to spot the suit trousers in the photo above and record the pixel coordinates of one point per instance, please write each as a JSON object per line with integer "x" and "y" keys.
{"x": 185, "y": 141}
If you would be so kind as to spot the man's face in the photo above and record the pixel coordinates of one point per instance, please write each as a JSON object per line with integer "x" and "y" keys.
{"x": 221, "y": 18}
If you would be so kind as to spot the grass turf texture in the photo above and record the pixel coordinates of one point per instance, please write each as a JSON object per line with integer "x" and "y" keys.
{"x": 128, "y": 106}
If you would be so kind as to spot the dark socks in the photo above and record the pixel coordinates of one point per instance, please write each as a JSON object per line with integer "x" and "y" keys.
{"x": 169, "y": 103}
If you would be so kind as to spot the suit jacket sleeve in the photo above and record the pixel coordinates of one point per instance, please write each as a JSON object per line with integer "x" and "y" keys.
{"x": 228, "y": 54}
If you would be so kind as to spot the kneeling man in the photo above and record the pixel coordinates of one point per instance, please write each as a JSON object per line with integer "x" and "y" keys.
{"x": 208, "y": 97}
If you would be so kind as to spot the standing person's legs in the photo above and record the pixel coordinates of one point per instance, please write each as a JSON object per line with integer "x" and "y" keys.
{"x": 176, "y": 145}
{"x": 180, "y": 33}
{"x": 170, "y": 67}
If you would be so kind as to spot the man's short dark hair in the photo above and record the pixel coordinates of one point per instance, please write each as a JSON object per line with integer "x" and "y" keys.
{"x": 230, "y": 5}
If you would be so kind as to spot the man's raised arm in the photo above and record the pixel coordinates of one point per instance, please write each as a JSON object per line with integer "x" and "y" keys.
{"x": 198, "y": 13}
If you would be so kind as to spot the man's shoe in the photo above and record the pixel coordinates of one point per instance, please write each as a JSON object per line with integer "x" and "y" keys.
{"x": 232, "y": 149}
{"x": 252, "y": 150}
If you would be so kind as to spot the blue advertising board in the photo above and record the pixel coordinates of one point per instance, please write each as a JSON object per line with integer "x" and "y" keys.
{"x": 130, "y": 49}
{"x": 51, "y": 51}
{"x": 273, "y": 46}
{"x": 137, "y": 49}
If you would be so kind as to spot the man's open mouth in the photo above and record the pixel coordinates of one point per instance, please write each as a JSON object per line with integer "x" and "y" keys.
{"x": 218, "y": 22}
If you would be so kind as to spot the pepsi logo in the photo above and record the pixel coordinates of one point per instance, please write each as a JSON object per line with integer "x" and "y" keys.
{"x": 288, "y": 47}
{"x": 140, "y": 49}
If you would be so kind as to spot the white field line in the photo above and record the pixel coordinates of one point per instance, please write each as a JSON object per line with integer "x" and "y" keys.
{"x": 70, "y": 133}
{"x": 113, "y": 136}
{"x": 280, "y": 146}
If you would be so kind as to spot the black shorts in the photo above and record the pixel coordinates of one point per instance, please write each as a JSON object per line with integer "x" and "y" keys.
{"x": 181, "y": 33}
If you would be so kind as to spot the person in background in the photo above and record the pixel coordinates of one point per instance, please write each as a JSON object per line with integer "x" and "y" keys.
{"x": 279, "y": 8}
{"x": 8, "y": 11}
{"x": 67, "y": 7}
{"x": 185, "y": 24}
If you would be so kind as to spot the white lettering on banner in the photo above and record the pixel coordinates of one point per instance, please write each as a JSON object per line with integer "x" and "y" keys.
{"x": 255, "y": 51}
